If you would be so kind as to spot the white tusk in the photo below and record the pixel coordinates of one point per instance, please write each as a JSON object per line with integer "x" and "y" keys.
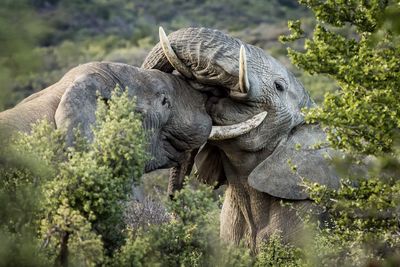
{"x": 244, "y": 84}
{"x": 235, "y": 130}
{"x": 172, "y": 57}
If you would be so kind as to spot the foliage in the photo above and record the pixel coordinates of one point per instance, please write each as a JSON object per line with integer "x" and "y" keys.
{"x": 80, "y": 209}
{"x": 20, "y": 195}
{"x": 356, "y": 44}
{"x": 275, "y": 253}
{"x": 20, "y": 30}
{"x": 189, "y": 239}
{"x": 51, "y": 37}
{"x": 18, "y": 213}
{"x": 363, "y": 222}
{"x": 366, "y": 68}
{"x": 359, "y": 226}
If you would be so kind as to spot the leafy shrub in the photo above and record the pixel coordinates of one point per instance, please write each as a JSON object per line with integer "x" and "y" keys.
{"x": 364, "y": 59}
{"x": 354, "y": 46}
{"x": 145, "y": 213}
{"x": 189, "y": 239}
{"x": 275, "y": 253}
{"x": 80, "y": 208}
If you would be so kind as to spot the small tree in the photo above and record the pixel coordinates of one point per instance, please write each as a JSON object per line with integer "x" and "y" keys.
{"x": 352, "y": 46}
{"x": 81, "y": 215}
{"x": 353, "y": 43}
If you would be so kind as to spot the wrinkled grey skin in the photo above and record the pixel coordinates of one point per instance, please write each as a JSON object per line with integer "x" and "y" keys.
{"x": 171, "y": 109}
{"x": 254, "y": 165}
{"x": 178, "y": 173}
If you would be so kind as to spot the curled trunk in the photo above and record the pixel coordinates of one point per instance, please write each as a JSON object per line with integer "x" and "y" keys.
{"x": 212, "y": 56}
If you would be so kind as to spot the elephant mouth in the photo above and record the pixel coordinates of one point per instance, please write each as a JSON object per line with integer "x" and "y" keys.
{"x": 225, "y": 130}
{"x": 150, "y": 166}
{"x": 164, "y": 162}
{"x": 165, "y": 152}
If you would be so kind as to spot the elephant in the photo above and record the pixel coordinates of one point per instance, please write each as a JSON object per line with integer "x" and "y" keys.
{"x": 260, "y": 145}
{"x": 170, "y": 107}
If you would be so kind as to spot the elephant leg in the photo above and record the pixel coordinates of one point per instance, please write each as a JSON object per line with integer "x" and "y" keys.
{"x": 285, "y": 221}
{"x": 239, "y": 194}
{"x": 177, "y": 174}
{"x": 233, "y": 224}
{"x": 242, "y": 197}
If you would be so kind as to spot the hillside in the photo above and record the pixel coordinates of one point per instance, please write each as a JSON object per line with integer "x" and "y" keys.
{"x": 60, "y": 34}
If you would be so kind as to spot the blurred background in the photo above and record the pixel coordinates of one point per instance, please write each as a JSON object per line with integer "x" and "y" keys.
{"x": 41, "y": 40}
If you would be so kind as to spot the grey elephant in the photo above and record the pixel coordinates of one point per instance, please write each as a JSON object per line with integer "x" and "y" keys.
{"x": 170, "y": 107}
{"x": 259, "y": 109}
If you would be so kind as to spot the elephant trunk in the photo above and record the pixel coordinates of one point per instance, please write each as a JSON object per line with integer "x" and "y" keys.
{"x": 177, "y": 174}
{"x": 209, "y": 56}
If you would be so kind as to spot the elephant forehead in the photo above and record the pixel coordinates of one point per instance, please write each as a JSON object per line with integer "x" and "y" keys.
{"x": 272, "y": 69}
{"x": 156, "y": 84}
{"x": 147, "y": 82}
{"x": 263, "y": 72}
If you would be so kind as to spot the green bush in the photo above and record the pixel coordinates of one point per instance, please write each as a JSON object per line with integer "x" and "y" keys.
{"x": 353, "y": 44}
{"x": 189, "y": 239}
{"x": 364, "y": 59}
{"x": 82, "y": 188}
{"x": 275, "y": 253}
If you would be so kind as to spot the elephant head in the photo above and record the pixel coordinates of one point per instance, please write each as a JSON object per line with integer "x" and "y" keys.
{"x": 259, "y": 106}
{"x": 173, "y": 112}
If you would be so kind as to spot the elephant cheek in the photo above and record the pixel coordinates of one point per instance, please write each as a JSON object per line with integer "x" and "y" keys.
{"x": 227, "y": 112}
{"x": 156, "y": 156}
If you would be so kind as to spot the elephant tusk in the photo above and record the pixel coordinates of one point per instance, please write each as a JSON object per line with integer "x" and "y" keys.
{"x": 244, "y": 84}
{"x": 238, "y": 129}
{"x": 172, "y": 57}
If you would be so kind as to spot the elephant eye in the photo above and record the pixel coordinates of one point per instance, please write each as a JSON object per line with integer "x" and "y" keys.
{"x": 165, "y": 101}
{"x": 279, "y": 86}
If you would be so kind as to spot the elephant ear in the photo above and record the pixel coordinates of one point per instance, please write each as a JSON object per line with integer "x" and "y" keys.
{"x": 295, "y": 158}
{"x": 77, "y": 108}
{"x": 209, "y": 167}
